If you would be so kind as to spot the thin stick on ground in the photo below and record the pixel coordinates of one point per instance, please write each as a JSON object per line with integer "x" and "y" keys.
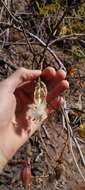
{"x": 76, "y": 160}
{"x": 44, "y": 146}
{"x": 13, "y": 17}
{"x": 79, "y": 150}
{"x": 71, "y": 138}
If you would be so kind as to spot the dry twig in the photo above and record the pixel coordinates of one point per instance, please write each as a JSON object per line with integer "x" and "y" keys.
{"x": 71, "y": 139}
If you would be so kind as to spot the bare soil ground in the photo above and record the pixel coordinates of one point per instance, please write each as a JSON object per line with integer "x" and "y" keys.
{"x": 45, "y": 147}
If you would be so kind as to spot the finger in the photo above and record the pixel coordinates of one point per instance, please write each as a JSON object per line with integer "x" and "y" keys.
{"x": 60, "y": 75}
{"x": 63, "y": 85}
{"x": 51, "y": 77}
{"x": 49, "y": 73}
{"x": 55, "y": 104}
{"x": 20, "y": 76}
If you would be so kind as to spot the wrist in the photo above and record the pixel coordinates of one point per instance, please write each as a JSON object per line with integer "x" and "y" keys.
{"x": 3, "y": 160}
{"x": 8, "y": 144}
{"x": 6, "y": 151}
{"x": 11, "y": 141}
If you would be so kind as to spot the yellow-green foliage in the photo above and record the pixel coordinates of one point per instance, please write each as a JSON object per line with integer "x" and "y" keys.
{"x": 78, "y": 26}
{"x": 50, "y": 8}
{"x": 81, "y": 11}
{"x": 78, "y": 52}
{"x": 64, "y": 30}
{"x": 56, "y": 6}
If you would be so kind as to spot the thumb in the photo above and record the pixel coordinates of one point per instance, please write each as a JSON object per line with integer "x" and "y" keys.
{"x": 20, "y": 76}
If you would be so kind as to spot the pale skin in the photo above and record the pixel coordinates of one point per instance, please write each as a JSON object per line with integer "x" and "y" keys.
{"x": 16, "y": 94}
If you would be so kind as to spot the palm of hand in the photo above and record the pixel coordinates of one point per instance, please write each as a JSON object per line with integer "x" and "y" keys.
{"x": 16, "y": 97}
{"x": 25, "y": 98}
{"x": 25, "y": 107}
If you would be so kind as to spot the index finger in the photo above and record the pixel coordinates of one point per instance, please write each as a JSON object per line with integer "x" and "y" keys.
{"x": 20, "y": 76}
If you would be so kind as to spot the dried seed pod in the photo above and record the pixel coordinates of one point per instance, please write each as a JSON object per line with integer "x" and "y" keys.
{"x": 40, "y": 92}
{"x": 38, "y": 110}
{"x": 26, "y": 175}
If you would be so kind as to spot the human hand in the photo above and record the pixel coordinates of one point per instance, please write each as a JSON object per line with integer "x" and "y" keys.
{"x": 16, "y": 96}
